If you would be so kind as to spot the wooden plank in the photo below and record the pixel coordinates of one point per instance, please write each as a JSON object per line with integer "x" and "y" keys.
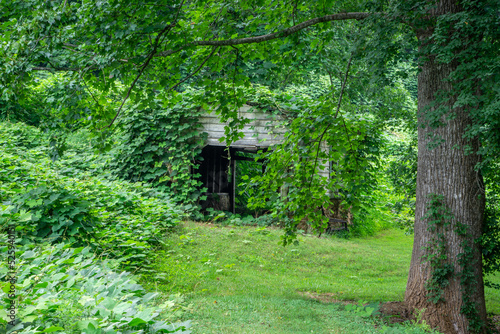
{"x": 220, "y": 134}
{"x": 263, "y": 130}
{"x": 247, "y": 130}
{"x": 243, "y": 108}
{"x": 207, "y": 119}
{"x": 248, "y": 112}
{"x": 250, "y": 116}
{"x": 255, "y": 123}
{"x": 243, "y": 143}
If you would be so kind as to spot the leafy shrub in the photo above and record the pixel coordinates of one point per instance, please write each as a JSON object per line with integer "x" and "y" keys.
{"x": 376, "y": 214}
{"x": 402, "y": 173}
{"x": 114, "y": 217}
{"x": 57, "y": 212}
{"x": 490, "y": 240}
{"x": 245, "y": 171}
{"x": 56, "y": 206}
{"x": 19, "y": 135}
{"x": 82, "y": 155}
{"x": 363, "y": 308}
{"x": 67, "y": 290}
{"x": 13, "y": 109}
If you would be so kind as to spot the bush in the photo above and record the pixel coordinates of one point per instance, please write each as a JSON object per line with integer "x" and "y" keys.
{"x": 69, "y": 290}
{"x": 401, "y": 172}
{"x": 57, "y": 212}
{"x": 114, "y": 217}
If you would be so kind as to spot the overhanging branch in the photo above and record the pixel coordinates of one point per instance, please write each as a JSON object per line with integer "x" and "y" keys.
{"x": 195, "y": 71}
{"x": 165, "y": 31}
{"x": 280, "y": 34}
{"x": 231, "y": 42}
{"x": 57, "y": 69}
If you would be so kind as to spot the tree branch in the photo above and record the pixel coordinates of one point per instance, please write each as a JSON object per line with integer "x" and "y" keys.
{"x": 57, "y": 69}
{"x": 280, "y": 34}
{"x": 343, "y": 84}
{"x": 165, "y": 31}
{"x": 336, "y": 114}
{"x": 231, "y": 42}
{"x": 195, "y": 71}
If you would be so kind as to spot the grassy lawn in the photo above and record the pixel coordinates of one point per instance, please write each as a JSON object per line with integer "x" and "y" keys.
{"x": 240, "y": 280}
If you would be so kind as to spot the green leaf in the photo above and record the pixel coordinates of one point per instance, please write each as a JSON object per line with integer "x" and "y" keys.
{"x": 28, "y": 255}
{"x": 24, "y": 217}
{"x": 314, "y": 43}
{"x": 30, "y": 318}
{"x": 71, "y": 282}
{"x": 6, "y": 287}
{"x": 136, "y": 322}
{"x": 87, "y": 324}
{"x": 52, "y": 329}
{"x": 42, "y": 285}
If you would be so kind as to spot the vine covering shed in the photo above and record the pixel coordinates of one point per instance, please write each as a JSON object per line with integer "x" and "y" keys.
{"x": 262, "y": 131}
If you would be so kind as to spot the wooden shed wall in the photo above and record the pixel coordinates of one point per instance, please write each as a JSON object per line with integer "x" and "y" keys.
{"x": 263, "y": 131}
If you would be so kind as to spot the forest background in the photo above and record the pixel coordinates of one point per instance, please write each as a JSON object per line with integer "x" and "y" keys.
{"x": 133, "y": 78}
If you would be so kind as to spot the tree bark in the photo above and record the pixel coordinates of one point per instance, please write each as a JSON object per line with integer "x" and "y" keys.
{"x": 446, "y": 170}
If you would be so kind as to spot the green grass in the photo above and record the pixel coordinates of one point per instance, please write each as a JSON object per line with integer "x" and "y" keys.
{"x": 258, "y": 314}
{"x": 241, "y": 280}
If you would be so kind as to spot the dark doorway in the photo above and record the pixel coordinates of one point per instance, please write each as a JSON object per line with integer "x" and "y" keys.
{"x": 216, "y": 173}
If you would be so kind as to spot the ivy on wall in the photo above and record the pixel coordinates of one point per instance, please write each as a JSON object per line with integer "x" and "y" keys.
{"x": 160, "y": 147}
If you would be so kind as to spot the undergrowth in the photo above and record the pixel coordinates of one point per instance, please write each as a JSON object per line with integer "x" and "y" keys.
{"x": 71, "y": 290}
{"x": 72, "y": 234}
{"x": 115, "y": 218}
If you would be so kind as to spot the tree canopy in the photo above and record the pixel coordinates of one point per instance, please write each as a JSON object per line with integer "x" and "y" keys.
{"x": 356, "y": 57}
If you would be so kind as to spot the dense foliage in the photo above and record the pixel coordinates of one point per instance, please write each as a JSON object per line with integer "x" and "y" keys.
{"x": 159, "y": 146}
{"x": 315, "y": 90}
{"x": 356, "y": 60}
{"x": 55, "y": 202}
{"x": 401, "y": 155}
{"x": 74, "y": 291}
{"x": 55, "y": 207}
{"x": 347, "y": 143}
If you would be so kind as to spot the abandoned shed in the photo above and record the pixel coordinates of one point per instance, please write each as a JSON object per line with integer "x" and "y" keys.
{"x": 217, "y": 170}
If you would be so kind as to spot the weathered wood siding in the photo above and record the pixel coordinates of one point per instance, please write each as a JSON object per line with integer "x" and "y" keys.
{"x": 324, "y": 165}
{"x": 263, "y": 130}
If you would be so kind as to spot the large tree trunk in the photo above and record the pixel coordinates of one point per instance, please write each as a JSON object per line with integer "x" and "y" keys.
{"x": 447, "y": 170}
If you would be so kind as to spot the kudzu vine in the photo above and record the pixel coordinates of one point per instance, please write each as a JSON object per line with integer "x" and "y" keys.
{"x": 160, "y": 147}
